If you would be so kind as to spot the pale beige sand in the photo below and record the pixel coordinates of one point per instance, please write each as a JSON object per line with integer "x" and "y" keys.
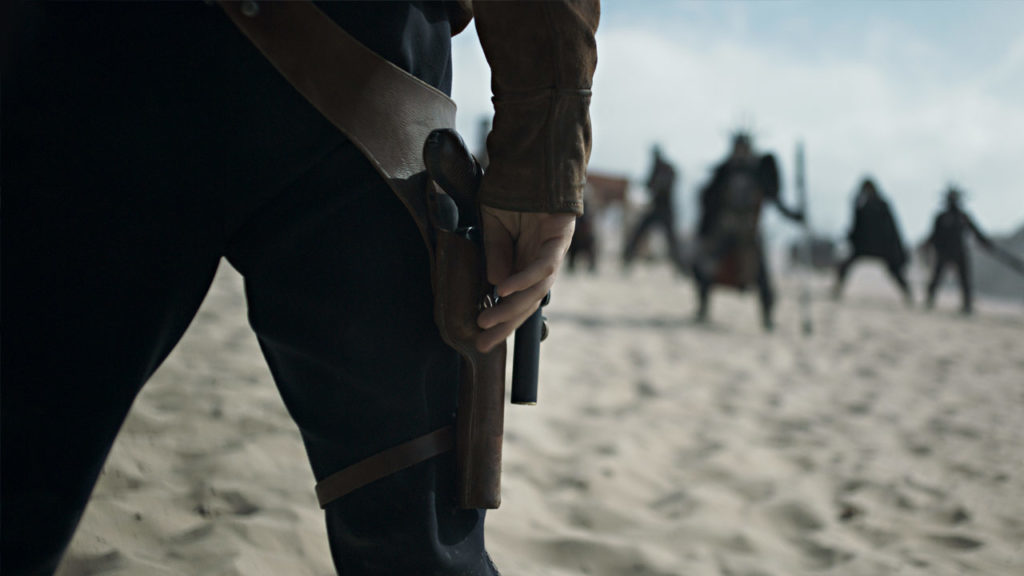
{"x": 889, "y": 443}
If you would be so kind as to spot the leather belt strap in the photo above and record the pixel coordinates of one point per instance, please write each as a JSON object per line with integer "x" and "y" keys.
{"x": 387, "y": 114}
{"x": 384, "y": 464}
{"x": 385, "y": 111}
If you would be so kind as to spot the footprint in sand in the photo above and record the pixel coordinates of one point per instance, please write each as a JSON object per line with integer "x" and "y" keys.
{"x": 795, "y": 518}
{"x": 860, "y": 407}
{"x": 572, "y": 483}
{"x": 955, "y": 542}
{"x": 738, "y": 567}
{"x": 200, "y": 533}
{"x": 638, "y": 358}
{"x": 238, "y": 504}
{"x": 821, "y": 557}
{"x": 119, "y": 482}
{"x": 84, "y": 565}
{"x": 229, "y": 502}
{"x": 917, "y": 446}
{"x": 875, "y": 536}
{"x": 798, "y": 522}
{"x": 866, "y": 372}
{"x": 582, "y": 556}
{"x": 645, "y": 389}
{"x": 675, "y": 505}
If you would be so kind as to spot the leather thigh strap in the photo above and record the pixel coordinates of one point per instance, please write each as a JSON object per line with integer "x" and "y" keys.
{"x": 384, "y": 464}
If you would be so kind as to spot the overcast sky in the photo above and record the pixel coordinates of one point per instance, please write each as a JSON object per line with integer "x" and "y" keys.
{"x": 914, "y": 93}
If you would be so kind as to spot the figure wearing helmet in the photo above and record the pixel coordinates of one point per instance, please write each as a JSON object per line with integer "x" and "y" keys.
{"x": 730, "y": 249}
{"x": 948, "y": 240}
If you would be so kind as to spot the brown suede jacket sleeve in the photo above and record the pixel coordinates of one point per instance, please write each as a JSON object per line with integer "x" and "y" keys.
{"x": 542, "y": 57}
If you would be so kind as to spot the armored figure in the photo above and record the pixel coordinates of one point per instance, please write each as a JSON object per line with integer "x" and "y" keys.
{"x": 730, "y": 250}
{"x": 875, "y": 234}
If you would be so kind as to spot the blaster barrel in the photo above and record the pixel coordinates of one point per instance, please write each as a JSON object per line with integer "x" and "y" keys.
{"x": 526, "y": 357}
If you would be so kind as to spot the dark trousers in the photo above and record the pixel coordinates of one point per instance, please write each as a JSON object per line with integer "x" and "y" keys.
{"x": 895, "y": 272}
{"x": 663, "y": 219}
{"x": 125, "y": 180}
{"x": 765, "y": 292}
{"x": 963, "y": 272}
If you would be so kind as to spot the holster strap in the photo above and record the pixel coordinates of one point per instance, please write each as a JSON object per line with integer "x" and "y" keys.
{"x": 384, "y": 464}
{"x": 385, "y": 111}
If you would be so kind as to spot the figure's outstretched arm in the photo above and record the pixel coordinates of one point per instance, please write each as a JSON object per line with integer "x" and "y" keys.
{"x": 768, "y": 174}
{"x": 794, "y": 214}
{"x": 982, "y": 238}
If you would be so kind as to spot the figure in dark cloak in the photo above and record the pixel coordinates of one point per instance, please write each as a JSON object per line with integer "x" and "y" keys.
{"x": 948, "y": 241}
{"x": 730, "y": 250}
{"x": 661, "y": 185}
{"x": 875, "y": 234}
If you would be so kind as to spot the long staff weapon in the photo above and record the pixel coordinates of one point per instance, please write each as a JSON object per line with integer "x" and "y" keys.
{"x": 1006, "y": 257}
{"x": 805, "y": 245}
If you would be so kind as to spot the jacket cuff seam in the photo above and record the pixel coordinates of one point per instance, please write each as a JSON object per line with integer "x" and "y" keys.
{"x": 568, "y": 206}
{"x": 529, "y": 95}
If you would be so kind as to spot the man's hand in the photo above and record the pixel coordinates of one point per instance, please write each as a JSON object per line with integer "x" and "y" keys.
{"x": 524, "y": 252}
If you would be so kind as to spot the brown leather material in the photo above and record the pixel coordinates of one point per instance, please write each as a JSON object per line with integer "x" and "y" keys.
{"x": 366, "y": 97}
{"x": 542, "y": 57}
{"x": 460, "y": 290}
{"x": 384, "y": 464}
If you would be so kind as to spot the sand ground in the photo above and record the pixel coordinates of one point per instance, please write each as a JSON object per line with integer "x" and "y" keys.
{"x": 889, "y": 442}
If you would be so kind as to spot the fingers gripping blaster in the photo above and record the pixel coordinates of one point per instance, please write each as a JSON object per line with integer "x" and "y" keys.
{"x": 461, "y": 291}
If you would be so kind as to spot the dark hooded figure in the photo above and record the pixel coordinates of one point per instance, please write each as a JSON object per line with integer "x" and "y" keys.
{"x": 875, "y": 234}
{"x": 661, "y": 185}
{"x": 947, "y": 239}
{"x": 730, "y": 249}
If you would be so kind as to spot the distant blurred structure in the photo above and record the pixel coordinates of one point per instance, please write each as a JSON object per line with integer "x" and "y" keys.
{"x": 605, "y": 190}
{"x": 821, "y": 256}
{"x": 661, "y": 185}
{"x": 730, "y": 250}
{"x": 875, "y": 234}
{"x": 601, "y": 192}
{"x": 991, "y": 276}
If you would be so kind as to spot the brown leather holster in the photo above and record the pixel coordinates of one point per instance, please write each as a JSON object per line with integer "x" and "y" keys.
{"x": 388, "y": 114}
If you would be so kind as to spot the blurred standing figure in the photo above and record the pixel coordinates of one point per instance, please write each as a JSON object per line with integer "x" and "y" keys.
{"x": 730, "y": 249}
{"x": 875, "y": 234}
{"x": 584, "y": 240}
{"x": 947, "y": 239}
{"x": 661, "y": 184}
